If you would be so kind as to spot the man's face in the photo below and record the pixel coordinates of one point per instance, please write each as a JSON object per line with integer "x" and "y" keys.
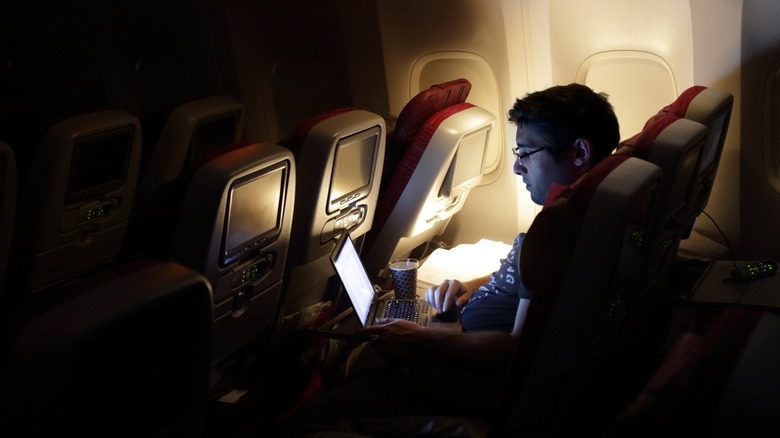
{"x": 539, "y": 171}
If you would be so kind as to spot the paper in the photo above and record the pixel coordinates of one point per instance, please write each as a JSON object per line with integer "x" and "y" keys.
{"x": 463, "y": 262}
{"x": 233, "y": 396}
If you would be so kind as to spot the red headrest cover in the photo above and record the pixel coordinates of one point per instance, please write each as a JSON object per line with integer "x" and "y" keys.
{"x": 426, "y": 104}
{"x": 680, "y": 105}
{"x": 639, "y": 145}
{"x": 294, "y": 142}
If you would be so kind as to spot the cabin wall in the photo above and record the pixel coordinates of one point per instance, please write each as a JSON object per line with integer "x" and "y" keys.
{"x": 759, "y": 120}
{"x": 643, "y": 49}
{"x": 697, "y": 41}
{"x": 717, "y": 32}
{"x": 412, "y": 30}
{"x": 375, "y": 45}
{"x": 363, "y": 44}
{"x": 291, "y": 62}
{"x": 287, "y": 60}
{"x": 531, "y": 45}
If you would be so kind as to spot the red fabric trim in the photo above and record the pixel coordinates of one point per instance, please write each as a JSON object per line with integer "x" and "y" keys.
{"x": 219, "y": 152}
{"x": 554, "y": 231}
{"x": 556, "y": 191}
{"x": 587, "y": 183}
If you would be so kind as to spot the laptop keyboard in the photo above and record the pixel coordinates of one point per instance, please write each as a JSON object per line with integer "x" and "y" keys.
{"x": 407, "y": 309}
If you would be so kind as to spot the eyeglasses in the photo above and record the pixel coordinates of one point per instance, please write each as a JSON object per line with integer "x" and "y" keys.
{"x": 519, "y": 156}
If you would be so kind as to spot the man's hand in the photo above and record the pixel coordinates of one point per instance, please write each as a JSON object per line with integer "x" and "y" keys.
{"x": 450, "y": 295}
{"x": 399, "y": 338}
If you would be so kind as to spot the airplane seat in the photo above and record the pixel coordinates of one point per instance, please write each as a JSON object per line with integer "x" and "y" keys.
{"x": 412, "y": 118}
{"x": 121, "y": 352}
{"x": 191, "y": 131}
{"x": 718, "y": 381}
{"x": 296, "y": 86}
{"x": 675, "y": 145}
{"x": 446, "y": 140}
{"x": 7, "y": 207}
{"x": 229, "y": 217}
{"x": 581, "y": 258}
{"x": 712, "y": 108}
{"x": 20, "y": 125}
{"x": 75, "y": 199}
{"x": 338, "y": 156}
{"x": 160, "y": 81}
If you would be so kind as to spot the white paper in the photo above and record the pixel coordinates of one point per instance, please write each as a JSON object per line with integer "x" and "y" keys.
{"x": 463, "y": 262}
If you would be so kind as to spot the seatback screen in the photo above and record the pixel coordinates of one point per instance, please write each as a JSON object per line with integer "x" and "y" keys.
{"x": 254, "y": 211}
{"x": 99, "y": 164}
{"x": 466, "y": 168}
{"x": 353, "y": 168}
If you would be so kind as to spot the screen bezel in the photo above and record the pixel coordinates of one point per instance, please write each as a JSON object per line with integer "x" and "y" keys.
{"x": 248, "y": 247}
{"x": 207, "y": 130}
{"x": 338, "y": 202}
{"x": 454, "y": 183}
{"x": 680, "y": 191}
{"x": 124, "y": 138}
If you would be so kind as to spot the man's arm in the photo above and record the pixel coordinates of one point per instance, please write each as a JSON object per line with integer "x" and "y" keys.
{"x": 399, "y": 340}
{"x": 488, "y": 352}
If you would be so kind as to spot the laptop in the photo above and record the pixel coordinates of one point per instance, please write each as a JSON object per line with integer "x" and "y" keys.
{"x": 361, "y": 292}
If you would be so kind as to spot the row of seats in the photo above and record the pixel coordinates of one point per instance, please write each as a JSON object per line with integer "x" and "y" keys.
{"x": 195, "y": 218}
{"x": 592, "y": 334}
{"x": 250, "y": 224}
{"x": 597, "y": 258}
{"x": 685, "y": 139}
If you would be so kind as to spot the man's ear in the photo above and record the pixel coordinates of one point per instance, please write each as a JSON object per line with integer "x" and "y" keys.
{"x": 582, "y": 152}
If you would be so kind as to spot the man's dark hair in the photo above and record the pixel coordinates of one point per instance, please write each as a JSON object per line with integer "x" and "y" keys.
{"x": 564, "y": 113}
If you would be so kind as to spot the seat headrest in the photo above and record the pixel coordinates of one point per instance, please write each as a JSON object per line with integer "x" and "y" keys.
{"x": 214, "y": 154}
{"x": 679, "y": 107}
{"x": 427, "y": 103}
{"x": 639, "y": 145}
{"x": 294, "y": 142}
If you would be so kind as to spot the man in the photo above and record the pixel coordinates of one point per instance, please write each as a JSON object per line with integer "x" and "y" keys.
{"x": 562, "y": 132}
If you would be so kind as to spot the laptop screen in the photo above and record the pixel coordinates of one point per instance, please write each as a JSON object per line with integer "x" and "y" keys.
{"x": 356, "y": 282}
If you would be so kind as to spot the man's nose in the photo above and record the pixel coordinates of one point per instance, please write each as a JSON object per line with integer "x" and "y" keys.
{"x": 518, "y": 168}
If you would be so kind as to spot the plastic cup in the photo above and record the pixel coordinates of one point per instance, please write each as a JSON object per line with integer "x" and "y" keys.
{"x": 404, "y": 275}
